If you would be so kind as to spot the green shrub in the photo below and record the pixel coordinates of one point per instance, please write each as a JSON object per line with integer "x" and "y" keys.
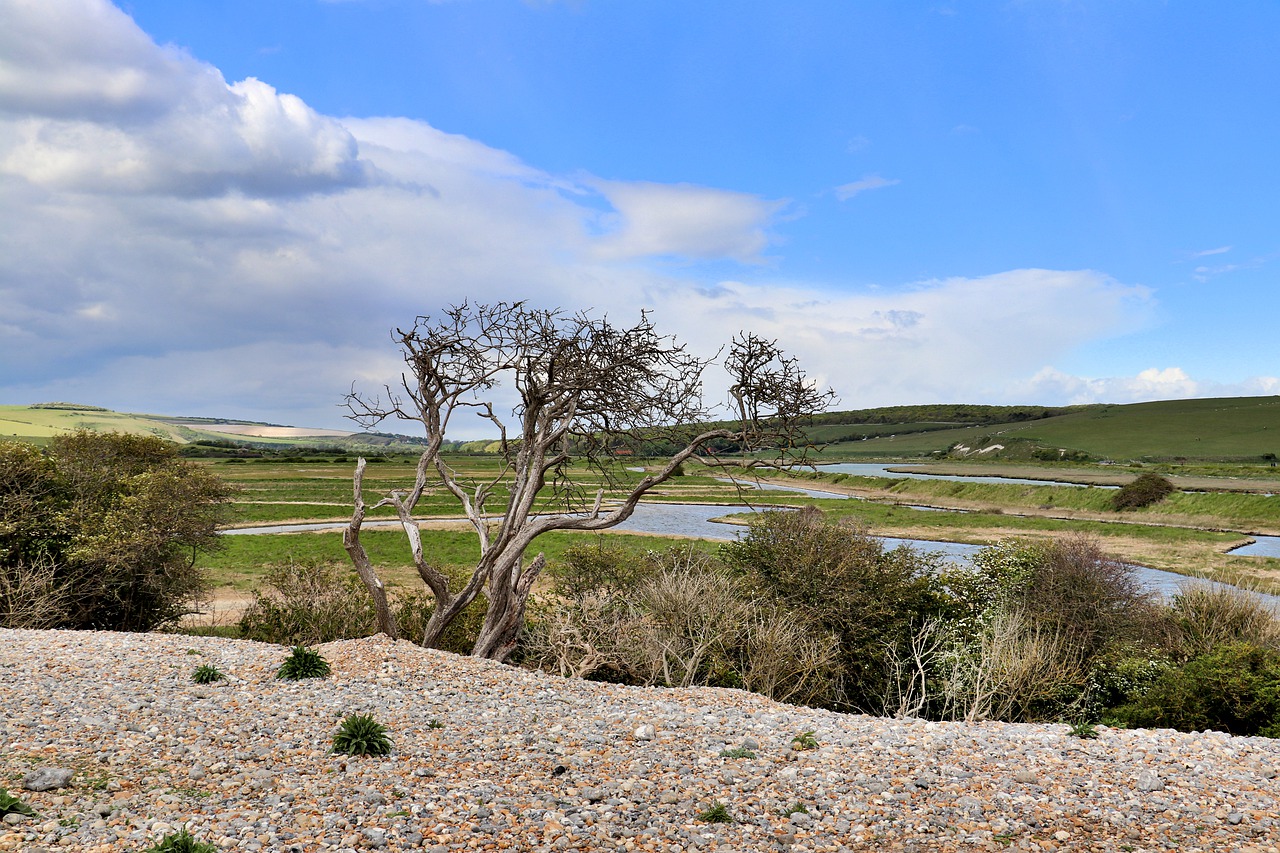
{"x": 718, "y": 813}
{"x": 1202, "y": 617}
{"x": 360, "y": 734}
{"x": 1233, "y": 688}
{"x": 181, "y": 842}
{"x": 10, "y": 804}
{"x": 737, "y": 752}
{"x": 804, "y": 741}
{"x": 844, "y": 582}
{"x": 309, "y": 603}
{"x": 206, "y": 674}
{"x": 1029, "y": 625}
{"x": 303, "y": 663}
{"x": 1144, "y": 490}
{"x": 102, "y": 528}
{"x": 589, "y": 568}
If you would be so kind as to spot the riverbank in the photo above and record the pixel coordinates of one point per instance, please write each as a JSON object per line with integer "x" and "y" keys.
{"x": 493, "y": 757}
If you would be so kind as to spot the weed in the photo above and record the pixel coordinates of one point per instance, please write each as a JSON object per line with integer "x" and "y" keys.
{"x": 435, "y": 724}
{"x": 737, "y": 752}
{"x": 795, "y": 808}
{"x": 719, "y": 813}
{"x": 804, "y": 741}
{"x": 193, "y": 651}
{"x": 303, "y": 663}
{"x": 181, "y": 842}
{"x": 10, "y": 804}
{"x": 1083, "y": 730}
{"x": 206, "y": 674}
{"x": 360, "y": 734}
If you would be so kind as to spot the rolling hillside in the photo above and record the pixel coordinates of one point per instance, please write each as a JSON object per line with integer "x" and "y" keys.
{"x": 42, "y": 421}
{"x": 1226, "y": 429}
{"x": 1240, "y": 429}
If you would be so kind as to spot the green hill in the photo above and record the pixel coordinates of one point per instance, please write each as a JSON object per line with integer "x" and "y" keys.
{"x": 1218, "y": 429}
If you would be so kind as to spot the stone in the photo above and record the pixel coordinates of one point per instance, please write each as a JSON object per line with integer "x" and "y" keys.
{"x": 1148, "y": 782}
{"x": 644, "y": 732}
{"x": 47, "y": 778}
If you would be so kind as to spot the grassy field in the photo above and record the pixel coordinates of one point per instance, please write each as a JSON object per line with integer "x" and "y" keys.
{"x": 1212, "y": 429}
{"x": 1189, "y": 534}
{"x": 37, "y": 424}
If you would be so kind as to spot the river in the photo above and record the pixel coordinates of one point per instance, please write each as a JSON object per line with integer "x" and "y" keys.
{"x": 695, "y": 520}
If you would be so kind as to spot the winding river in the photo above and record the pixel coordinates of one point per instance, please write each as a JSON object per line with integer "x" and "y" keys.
{"x": 696, "y": 520}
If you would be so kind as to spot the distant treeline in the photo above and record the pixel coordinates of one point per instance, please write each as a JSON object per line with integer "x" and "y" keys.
{"x": 945, "y": 413}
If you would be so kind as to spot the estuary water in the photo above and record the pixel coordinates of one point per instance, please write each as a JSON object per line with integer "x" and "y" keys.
{"x": 695, "y": 520}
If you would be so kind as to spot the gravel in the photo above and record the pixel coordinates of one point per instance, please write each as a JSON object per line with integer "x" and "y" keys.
{"x": 492, "y": 757}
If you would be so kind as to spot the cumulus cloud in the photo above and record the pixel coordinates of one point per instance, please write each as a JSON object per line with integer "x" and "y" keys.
{"x": 683, "y": 220}
{"x": 171, "y": 242}
{"x": 1153, "y": 383}
{"x": 949, "y": 339}
{"x": 844, "y": 192}
{"x": 90, "y": 104}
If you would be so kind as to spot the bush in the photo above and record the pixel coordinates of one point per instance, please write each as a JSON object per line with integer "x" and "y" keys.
{"x": 1233, "y": 688}
{"x": 1028, "y": 625}
{"x": 678, "y": 617}
{"x": 361, "y": 734}
{"x": 1203, "y": 617}
{"x": 9, "y": 804}
{"x": 206, "y": 674}
{"x": 305, "y": 604}
{"x": 303, "y": 663}
{"x": 103, "y": 527}
{"x": 843, "y": 582}
{"x": 1144, "y": 490}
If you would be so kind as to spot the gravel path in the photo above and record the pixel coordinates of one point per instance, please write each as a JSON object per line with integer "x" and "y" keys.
{"x": 489, "y": 757}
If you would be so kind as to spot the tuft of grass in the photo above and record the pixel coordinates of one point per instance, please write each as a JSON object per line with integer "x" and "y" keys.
{"x": 718, "y": 813}
{"x": 10, "y": 804}
{"x": 206, "y": 674}
{"x": 737, "y": 752}
{"x": 435, "y": 724}
{"x": 795, "y": 808}
{"x": 303, "y": 663}
{"x": 181, "y": 842}
{"x": 1083, "y": 730}
{"x": 361, "y": 734}
{"x": 804, "y": 741}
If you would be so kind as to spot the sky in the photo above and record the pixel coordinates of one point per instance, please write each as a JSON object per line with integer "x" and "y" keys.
{"x": 223, "y": 208}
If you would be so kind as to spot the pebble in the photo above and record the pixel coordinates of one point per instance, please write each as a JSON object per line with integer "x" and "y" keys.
{"x": 532, "y": 762}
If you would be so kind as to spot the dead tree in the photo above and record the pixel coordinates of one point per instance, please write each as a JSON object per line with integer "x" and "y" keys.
{"x": 583, "y": 389}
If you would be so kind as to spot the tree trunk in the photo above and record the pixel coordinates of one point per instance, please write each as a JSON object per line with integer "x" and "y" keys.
{"x": 505, "y": 617}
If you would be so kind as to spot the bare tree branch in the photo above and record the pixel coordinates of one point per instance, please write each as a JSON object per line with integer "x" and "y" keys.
{"x": 586, "y": 388}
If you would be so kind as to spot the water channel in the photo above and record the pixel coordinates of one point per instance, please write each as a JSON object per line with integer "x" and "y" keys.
{"x": 696, "y": 520}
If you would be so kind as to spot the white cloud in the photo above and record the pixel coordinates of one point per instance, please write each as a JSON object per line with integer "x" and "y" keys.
{"x": 95, "y": 106}
{"x": 172, "y": 243}
{"x": 969, "y": 339}
{"x": 683, "y": 220}
{"x": 844, "y": 192}
{"x": 1221, "y": 250}
{"x": 1168, "y": 383}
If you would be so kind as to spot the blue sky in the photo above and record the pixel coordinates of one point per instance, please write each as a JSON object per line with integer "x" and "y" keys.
{"x": 221, "y": 208}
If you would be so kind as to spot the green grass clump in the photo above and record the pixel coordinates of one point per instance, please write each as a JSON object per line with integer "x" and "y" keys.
{"x": 737, "y": 752}
{"x": 303, "y": 663}
{"x": 719, "y": 813}
{"x": 10, "y": 804}
{"x": 206, "y": 674}
{"x": 181, "y": 842}
{"x": 804, "y": 741}
{"x": 1083, "y": 730}
{"x": 361, "y": 734}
